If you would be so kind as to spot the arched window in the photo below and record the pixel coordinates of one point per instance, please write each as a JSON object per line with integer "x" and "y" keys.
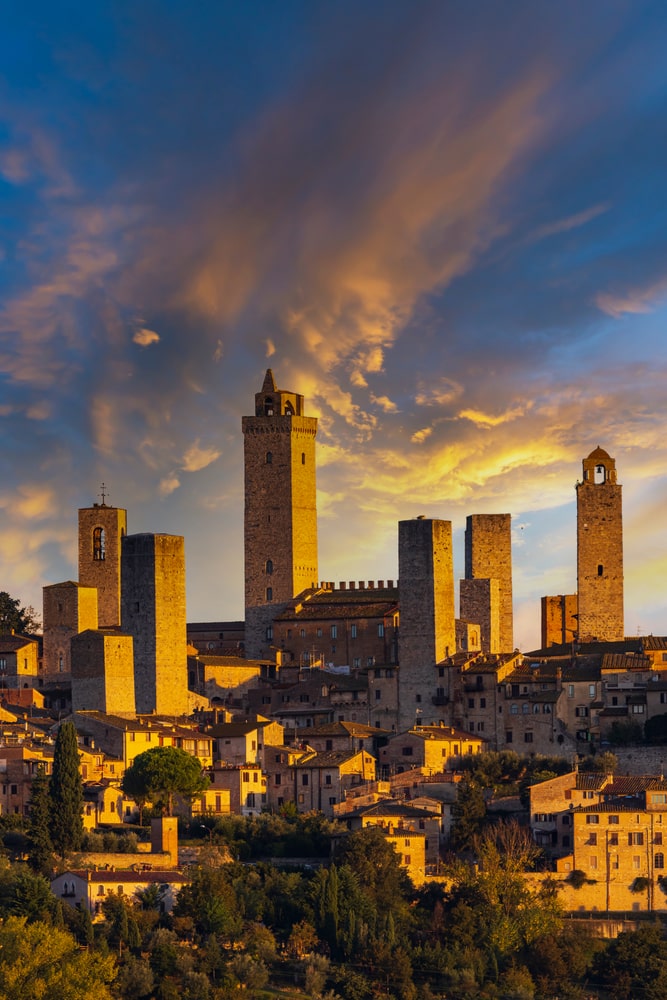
{"x": 269, "y": 457}
{"x": 600, "y": 475}
{"x": 268, "y": 407}
{"x": 289, "y": 410}
{"x": 269, "y": 593}
{"x": 99, "y": 544}
{"x": 269, "y": 567}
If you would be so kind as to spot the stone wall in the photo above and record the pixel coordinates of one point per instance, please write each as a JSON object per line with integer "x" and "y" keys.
{"x": 488, "y": 555}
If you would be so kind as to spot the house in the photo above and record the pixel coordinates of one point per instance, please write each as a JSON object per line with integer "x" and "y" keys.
{"x": 236, "y": 788}
{"x": 397, "y": 817}
{"x": 89, "y": 889}
{"x": 19, "y": 663}
{"x": 433, "y": 748}
{"x": 314, "y": 780}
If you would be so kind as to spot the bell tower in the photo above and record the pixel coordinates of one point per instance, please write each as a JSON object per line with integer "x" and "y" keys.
{"x": 101, "y": 531}
{"x": 280, "y": 526}
{"x": 599, "y": 550}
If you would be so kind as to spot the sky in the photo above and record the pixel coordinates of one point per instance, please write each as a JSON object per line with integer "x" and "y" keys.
{"x": 443, "y": 223}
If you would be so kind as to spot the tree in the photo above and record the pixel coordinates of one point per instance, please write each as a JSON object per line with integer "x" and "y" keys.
{"x": 40, "y": 843}
{"x": 635, "y": 964}
{"x": 38, "y": 960}
{"x": 15, "y": 618}
{"x": 158, "y": 774}
{"x": 468, "y": 815}
{"x": 66, "y": 792}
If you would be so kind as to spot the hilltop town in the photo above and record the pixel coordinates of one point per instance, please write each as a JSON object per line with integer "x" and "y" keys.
{"x": 366, "y": 703}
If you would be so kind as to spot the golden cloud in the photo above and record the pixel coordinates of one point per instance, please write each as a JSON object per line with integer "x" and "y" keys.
{"x": 196, "y": 458}
{"x": 145, "y": 337}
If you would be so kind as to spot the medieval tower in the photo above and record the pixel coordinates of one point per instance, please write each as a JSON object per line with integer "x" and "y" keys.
{"x": 101, "y": 530}
{"x": 599, "y": 550}
{"x": 428, "y": 630}
{"x": 486, "y": 592}
{"x": 153, "y": 613}
{"x": 280, "y": 526}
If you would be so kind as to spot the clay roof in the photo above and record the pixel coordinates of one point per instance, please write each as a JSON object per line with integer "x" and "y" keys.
{"x": 390, "y": 807}
{"x": 633, "y": 784}
{"x": 9, "y": 643}
{"x": 590, "y": 780}
{"x": 599, "y": 454}
{"x": 109, "y": 875}
{"x": 327, "y": 758}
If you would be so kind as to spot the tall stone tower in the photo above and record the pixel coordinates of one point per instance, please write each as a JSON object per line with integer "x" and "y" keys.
{"x": 600, "y": 550}
{"x": 280, "y": 509}
{"x": 488, "y": 556}
{"x": 101, "y": 530}
{"x": 428, "y": 630}
{"x": 68, "y": 608}
{"x": 153, "y": 613}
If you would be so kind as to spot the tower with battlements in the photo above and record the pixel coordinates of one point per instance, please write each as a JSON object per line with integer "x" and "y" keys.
{"x": 280, "y": 524}
{"x": 599, "y": 550}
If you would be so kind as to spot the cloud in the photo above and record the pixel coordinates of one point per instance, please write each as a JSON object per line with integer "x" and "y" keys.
{"x": 487, "y": 420}
{"x": 145, "y": 337}
{"x": 169, "y": 484}
{"x": 441, "y": 393}
{"x": 421, "y": 435}
{"x": 569, "y": 222}
{"x": 384, "y": 403}
{"x": 638, "y": 300}
{"x": 196, "y": 458}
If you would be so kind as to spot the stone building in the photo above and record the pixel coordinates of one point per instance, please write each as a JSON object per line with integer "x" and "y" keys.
{"x": 19, "y": 663}
{"x": 103, "y": 672}
{"x": 599, "y": 550}
{"x": 486, "y": 592}
{"x": 68, "y": 608}
{"x": 101, "y": 532}
{"x": 280, "y": 522}
{"x": 428, "y": 630}
{"x": 153, "y": 613}
{"x": 558, "y": 620}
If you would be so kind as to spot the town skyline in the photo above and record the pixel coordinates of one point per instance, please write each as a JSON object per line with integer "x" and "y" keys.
{"x": 445, "y": 231}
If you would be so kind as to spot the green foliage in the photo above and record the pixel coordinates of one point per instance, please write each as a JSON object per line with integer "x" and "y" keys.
{"x": 655, "y": 729}
{"x": 157, "y": 775}
{"x": 468, "y": 815}
{"x": 625, "y": 733}
{"x": 40, "y": 844}
{"x": 635, "y": 964}
{"x": 38, "y": 960}
{"x": 211, "y": 902}
{"x": 25, "y": 893}
{"x": 14, "y": 617}
{"x": 66, "y": 793}
{"x": 600, "y": 763}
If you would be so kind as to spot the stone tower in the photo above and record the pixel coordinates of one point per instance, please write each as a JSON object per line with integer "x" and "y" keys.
{"x": 280, "y": 509}
{"x": 68, "y": 608}
{"x": 101, "y": 530}
{"x": 153, "y": 613}
{"x": 599, "y": 550}
{"x": 488, "y": 556}
{"x": 428, "y": 630}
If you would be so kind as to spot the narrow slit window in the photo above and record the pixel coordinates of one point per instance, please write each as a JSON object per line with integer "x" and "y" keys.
{"x": 600, "y": 569}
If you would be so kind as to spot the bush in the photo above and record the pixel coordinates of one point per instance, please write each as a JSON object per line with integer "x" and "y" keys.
{"x": 577, "y": 878}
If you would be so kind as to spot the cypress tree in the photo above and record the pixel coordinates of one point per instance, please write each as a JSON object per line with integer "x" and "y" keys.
{"x": 39, "y": 835}
{"x": 66, "y": 793}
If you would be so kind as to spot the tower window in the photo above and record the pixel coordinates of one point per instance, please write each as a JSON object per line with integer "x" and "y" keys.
{"x": 269, "y": 567}
{"x": 334, "y": 631}
{"x": 600, "y": 569}
{"x": 99, "y": 544}
{"x": 600, "y": 474}
{"x": 268, "y": 407}
{"x": 269, "y": 457}
{"x": 289, "y": 410}
{"x": 269, "y": 632}
{"x": 269, "y": 593}
{"x": 303, "y": 458}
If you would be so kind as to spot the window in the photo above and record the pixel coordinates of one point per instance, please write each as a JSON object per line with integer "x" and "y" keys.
{"x": 514, "y": 709}
{"x": 99, "y": 545}
{"x": 509, "y": 736}
{"x": 356, "y": 662}
{"x": 482, "y": 702}
{"x": 246, "y": 776}
{"x": 593, "y": 862}
{"x": 353, "y": 631}
{"x": 269, "y": 632}
{"x": 525, "y": 708}
{"x": 471, "y": 702}
{"x": 334, "y": 631}
{"x": 480, "y": 727}
{"x": 659, "y": 860}
{"x": 613, "y": 839}
{"x": 327, "y": 779}
{"x": 635, "y": 839}
{"x": 319, "y": 633}
{"x": 581, "y": 712}
{"x": 269, "y": 458}
{"x": 277, "y": 779}
{"x": 378, "y": 694}
{"x": 407, "y": 859}
{"x": 269, "y": 594}
{"x": 528, "y": 737}
{"x": 592, "y": 819}
{"x": 570, "y": 690}
{"x": 593, "y": 839}
{"x": 612, "y": 819}
{"x": 636, "y": 862}
{"x": 406, "y": 751}
{"x": 381, "y": 629}
{"x": 304, "y": 779}
{"x": 303, "y": 458}
{"x": 637, "y": 709}
{"x": 591, "y": 690}
{"x": 600, "y": 569}
{"x": 418, "y": 698}
{"x": 657, "y": 838}
{"x": 303, "y": 633}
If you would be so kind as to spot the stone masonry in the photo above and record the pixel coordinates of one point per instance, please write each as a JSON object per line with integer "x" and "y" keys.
{"x": 68, "y": 609}
{"x": 600, "y": 550}
{"x": 101, "y": 531}
{"x": 153, "y": 613}
{"x": 488, "y": 556}
{"x": 480, "y": 603}
{"x": 280, "y": 525}
{"x": 559, "y": 620}
{"x": 103, "y": 673}
{"x": 427, "y": 630}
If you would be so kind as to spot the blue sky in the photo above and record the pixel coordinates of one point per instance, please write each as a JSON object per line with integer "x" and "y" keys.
{"x": 443, "y": 223}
